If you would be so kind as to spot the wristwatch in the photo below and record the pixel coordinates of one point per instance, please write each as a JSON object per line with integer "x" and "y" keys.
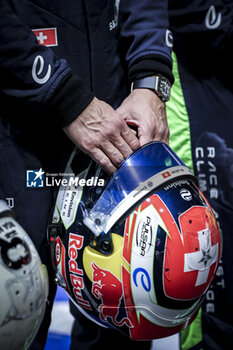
{"x": 157, "y": 83}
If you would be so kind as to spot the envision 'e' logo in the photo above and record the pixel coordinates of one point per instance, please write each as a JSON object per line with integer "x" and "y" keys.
{"x": 169, "y": 38}
{"x": 212, "y": 19}
{"x": 37, "y": 69}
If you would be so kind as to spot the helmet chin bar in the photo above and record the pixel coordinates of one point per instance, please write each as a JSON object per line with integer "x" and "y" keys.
{"x": 102, "y": 217}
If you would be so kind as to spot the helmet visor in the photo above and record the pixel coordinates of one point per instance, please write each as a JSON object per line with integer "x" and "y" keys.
{"x": 145, "y": 170}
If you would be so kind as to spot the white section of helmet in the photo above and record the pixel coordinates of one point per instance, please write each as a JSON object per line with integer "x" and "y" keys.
{"x": 23, "y": 284}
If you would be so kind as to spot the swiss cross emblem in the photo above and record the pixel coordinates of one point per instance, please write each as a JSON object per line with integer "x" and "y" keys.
{"x": 192, "y": 253}
{"x": 202, "y": 260}
{"x": 166, "y": 174}
{"x": 46, "y": 36}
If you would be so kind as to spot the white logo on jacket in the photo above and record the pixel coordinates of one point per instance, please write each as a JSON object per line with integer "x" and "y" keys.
{"x": 212, "y": 19}
{"x": 37, "y": 69}
{"x": 169, "y": 38}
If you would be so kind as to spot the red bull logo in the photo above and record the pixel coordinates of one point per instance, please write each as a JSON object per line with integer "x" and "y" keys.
{"x": 108, "y": 288}
{"x": 76, "y": 274}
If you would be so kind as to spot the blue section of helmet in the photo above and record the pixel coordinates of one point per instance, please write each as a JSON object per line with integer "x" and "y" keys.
{"x": 139, "y": 167}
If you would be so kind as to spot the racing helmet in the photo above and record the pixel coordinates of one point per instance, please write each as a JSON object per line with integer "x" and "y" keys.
{"x": 23, "y": 284}
{"x": 138, "y": 250}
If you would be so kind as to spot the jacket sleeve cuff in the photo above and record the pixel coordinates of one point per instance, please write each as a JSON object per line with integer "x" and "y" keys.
{"x": 148, "y": 66}
{"x": 69, "y": 99}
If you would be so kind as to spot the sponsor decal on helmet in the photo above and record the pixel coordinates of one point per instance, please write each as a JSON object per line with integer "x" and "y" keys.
{"x": 76, "y": 273}
{"x": 166, "y": 174}
{"x": 108, "y": 288}
{"x": 186, "y": 194}
{"x": 58, "y": 249}
{"x": 60, "y": 263}
{"x": 142, "y": 257}
{"x": 144, "y": 235}
{"x": 15, "y": 252}
{"x": 176, "y": 184}
{"x": 144, "y": 278}
{"x": 199, "y": 242}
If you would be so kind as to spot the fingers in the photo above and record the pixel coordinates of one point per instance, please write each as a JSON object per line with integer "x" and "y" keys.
{"x": 130, "y": 137}
{"x": 118, "y": 141}
{"x": 103, "y": 160}
{"x": 164, "y": 133}
{"x": 100, "y": 132}
{"x": 103, "y": 133}
{"x": 160, "y": 132}
{"x": 144, "y": 109}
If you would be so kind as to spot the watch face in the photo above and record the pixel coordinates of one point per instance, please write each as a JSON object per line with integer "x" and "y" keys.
{"x": 164, "y": 89}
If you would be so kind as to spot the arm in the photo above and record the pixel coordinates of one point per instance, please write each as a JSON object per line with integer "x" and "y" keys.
{"x": 144, "y": 40}
{"x": 32, "y": 76}
{"x": 203, "y": 37}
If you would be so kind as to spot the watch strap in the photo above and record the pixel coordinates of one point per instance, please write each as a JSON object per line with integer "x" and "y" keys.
{"x": 159, "y": 84}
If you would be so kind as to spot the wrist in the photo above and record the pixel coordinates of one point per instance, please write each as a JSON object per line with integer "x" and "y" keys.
{"x": 69, "y": 100}
{"x": 158, "y": 84}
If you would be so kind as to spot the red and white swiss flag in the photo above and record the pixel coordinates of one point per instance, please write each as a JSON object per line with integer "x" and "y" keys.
{"x": 46, "y": 36}
{"x": 166, "y": 174}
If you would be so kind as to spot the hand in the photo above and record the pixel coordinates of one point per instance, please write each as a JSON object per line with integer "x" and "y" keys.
{"x": 100, "y": 132}
{"x": 145, "y": 109}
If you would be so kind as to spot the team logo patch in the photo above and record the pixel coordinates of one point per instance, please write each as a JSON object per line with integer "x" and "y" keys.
{"x": 46, "y": 36}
